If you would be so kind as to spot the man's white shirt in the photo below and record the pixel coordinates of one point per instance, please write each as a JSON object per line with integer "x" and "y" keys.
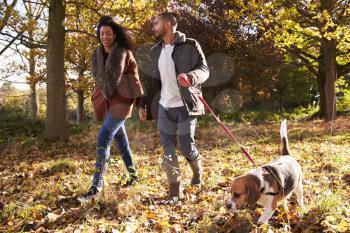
{"x": 170, "y": 95}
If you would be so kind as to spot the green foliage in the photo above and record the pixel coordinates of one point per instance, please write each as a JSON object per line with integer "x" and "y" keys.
{"x": 301, "y": 113}
{"x": 257, "y": 116}
{"x": 343, "y": 106}
{"x": 295, "y": 87}
{"x": 309, "y": 30}
{"x": 343, "y": 89}
{"x": 12, "y": 97}
{"x": 15, "y": 125}
{"x": 261, "y": 114}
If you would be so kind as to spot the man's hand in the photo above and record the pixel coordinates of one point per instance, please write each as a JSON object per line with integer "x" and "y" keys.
{"x": 183, "y": 83}
{"x": 142, "y": 114}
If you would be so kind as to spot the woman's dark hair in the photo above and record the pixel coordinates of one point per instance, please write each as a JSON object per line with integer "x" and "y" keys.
{"x": 121, "y": 37}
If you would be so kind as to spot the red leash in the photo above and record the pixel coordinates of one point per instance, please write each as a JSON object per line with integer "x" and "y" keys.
{"x": 244, "y": 151}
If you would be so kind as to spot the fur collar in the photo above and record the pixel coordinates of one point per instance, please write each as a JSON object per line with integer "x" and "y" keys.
{"x": 108, "y": 76}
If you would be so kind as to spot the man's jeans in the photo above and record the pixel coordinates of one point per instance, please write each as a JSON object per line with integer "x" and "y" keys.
{"x": 172, "y": 122}
{"x": 111, "y": 128}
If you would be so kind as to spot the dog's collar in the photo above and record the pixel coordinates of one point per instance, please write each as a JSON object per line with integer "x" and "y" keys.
{"x": 268, "y": 193}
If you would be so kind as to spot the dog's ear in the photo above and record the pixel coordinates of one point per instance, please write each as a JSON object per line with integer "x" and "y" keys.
{"x": 253, "y": 192}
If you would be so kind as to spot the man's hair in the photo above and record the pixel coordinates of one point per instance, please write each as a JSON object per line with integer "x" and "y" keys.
{"x": 169, "y": 16}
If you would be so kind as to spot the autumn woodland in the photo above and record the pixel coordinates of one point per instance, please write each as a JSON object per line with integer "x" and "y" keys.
{"x": 268, "y": 60}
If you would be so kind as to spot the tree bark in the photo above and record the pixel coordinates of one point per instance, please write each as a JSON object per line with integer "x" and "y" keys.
{"x": 33, "y": 111}
{"x": 56, "y": 125}
{"x": 329, "y": 49}
{"x": 329, "y": 84}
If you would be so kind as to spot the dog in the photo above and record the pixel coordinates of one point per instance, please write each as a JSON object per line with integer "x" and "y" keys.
{"x": 270, "y": 184}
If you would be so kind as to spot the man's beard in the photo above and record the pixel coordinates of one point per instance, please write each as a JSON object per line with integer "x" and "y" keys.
{"x": 160, "y": 35}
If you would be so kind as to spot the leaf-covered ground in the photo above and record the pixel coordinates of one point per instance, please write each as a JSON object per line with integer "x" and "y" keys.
{"x": 40, "y": 182}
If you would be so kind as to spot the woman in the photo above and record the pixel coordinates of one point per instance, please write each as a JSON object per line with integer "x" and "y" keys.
{"x": 117, "y": 87}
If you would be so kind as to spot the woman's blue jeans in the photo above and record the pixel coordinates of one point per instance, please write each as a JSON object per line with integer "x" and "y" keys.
{"x": 111, "y": 128}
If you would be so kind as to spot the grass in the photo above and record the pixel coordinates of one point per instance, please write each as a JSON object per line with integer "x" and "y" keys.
{"x": 40, "y": 184}
{"x": 60, "y": 166}
{"x": 15, "y": 125}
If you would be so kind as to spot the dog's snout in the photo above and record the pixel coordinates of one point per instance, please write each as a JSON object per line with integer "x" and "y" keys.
{"x": 229, "y": 206}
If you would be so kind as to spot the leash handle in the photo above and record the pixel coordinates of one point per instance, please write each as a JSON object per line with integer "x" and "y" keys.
{"x": 244, "y": 150}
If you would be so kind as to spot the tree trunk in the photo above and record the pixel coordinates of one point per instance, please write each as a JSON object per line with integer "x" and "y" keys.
{"x": 329, "y": 84}
{"x": 33, "y": 111}
{"x": 56, "y": 124}
{"x": 329, "y": 49}
{"x": 80, "y": 110}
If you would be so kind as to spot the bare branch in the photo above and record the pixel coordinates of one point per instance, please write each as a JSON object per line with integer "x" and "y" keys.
{"x": 20, "y": 35}
{"x": 7, "y": 14}
{"x": 37, "y": 3}
{"x": 9, "y": 44}
{"x": 21, "y": 56}
{"x": 29, "y": 43}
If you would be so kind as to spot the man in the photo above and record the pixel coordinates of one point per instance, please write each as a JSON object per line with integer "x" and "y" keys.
{"x": 173, "y": 60}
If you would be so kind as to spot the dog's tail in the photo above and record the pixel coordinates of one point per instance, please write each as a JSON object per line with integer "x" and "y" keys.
{"x": 284, "y": 138}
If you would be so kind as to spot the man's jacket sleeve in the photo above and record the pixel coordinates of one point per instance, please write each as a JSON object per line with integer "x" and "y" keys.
{"x": 201, "y": 72}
